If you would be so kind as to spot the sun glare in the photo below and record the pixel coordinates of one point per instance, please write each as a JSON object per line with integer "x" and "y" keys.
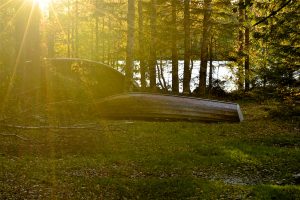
{"x": 43, "y": 4}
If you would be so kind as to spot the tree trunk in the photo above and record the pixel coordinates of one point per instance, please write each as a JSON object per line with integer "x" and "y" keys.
{"x": 130, "y": 45}
{"x": 142, "y": 45}
{"x": 152, "y": 67}
{"x": 76, "y": 53}
{"x": 28, "y": 49}
{"x": 69, "y": 30}
{"x": 96, "y": 31}
{"x": 103, "y": 41}
{"x": 108, "y": 40}
{"x": 161, "y": 71}
{"x": 204, "y": 47}
{"x": 241, "y": 46}
{"x": 210, "y": 64}
{"x": 175, "y": 82}
{"x": 28, "y": 35}
{"x": 247, "y": 48}
{"x": 51, "y": 36}
{"x": 160, "y": 76}
{"x": 187, "y": 48}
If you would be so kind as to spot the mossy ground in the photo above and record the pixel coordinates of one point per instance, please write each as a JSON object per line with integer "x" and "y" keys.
{"x": 255, "y": 159}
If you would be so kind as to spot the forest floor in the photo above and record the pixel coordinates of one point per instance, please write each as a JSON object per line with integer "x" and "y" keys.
{"x": 256, "y": 159}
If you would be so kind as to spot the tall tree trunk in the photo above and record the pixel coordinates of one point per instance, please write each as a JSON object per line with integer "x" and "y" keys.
{"x": 130, "y": 45}
{"x": 76, "y": 29}
{"x": 103, "y": 41}
{"x": 28, "y": 61}
{"x": 241, "y": 46}
{"x": 96, "y": 31}
{"x": 160, "y": 76}
{"x": 161, "y": 71}
{"x": 187, "y": 48}
{"x": 51, "y": 36}
{"x": 73, "y": 36}
{"x": 247, "y": 48}
{"x": 175, "y": 80}
{"x": 142, "y": 45}
{"x": 92, "y": 40}
{"x": 204, "y": 47}
{"x": 210, "y": 64}
{"x": 70, "y": 23}
{"x": 153, "y": 61}
{"x": 28, "y": 34}
{"x": 96, "y": 38}
{"x": 109, "y": 42}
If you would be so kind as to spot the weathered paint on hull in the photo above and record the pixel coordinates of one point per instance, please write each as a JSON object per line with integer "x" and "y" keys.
{"x": 167, "y": 107}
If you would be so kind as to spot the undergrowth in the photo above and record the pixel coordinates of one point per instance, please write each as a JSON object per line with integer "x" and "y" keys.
{"x": 256, "y": 159}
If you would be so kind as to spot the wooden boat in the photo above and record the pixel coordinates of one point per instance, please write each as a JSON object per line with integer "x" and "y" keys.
{"x": 167, "y": 107}
{"x": 81, "y": 77}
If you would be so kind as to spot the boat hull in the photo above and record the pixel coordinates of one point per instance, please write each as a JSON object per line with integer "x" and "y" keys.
{"x": 142, "y": 106}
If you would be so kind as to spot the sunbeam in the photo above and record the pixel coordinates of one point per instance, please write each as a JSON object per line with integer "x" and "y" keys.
{"x": 18, "y": 57}
{"x": 43, "y": 4}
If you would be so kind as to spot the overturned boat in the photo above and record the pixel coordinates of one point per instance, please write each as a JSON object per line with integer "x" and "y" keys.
{"x": 75, "y": 78}
{"x": 144, "y": 106}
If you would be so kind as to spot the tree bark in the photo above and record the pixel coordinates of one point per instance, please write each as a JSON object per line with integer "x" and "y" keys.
{"x": 51, "y": 36}
{"x": 161, "y": 71}
{"x": 69, "y": 31}
{"x": 153, "y": 62}
{"x": 103, "y": 41}
{"x": 175, "y": 80}
{"x": 204, "y": 47}
{"x": 28, "y": 49}
{"x": 160, "y": 76}
{"x": 130, "y": 45}
{"x": 247, "y": 48}
{"x": 108, "y": 41}
{"x": 187, "y": 48}
{"x": 96, "y": 31}
{"x": 142, "y": 45}
{"x": 241, "y": 46}
{"x": 210, "y": 64}
{"x": 76, "y": 53}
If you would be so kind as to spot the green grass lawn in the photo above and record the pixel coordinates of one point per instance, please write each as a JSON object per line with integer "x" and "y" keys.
{"x": 255, "y": 159}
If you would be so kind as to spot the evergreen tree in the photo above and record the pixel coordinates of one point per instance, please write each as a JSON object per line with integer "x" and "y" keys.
{"x": 130, "y": 45}
{"x": 187, "y": 48}
{"x": 204, "y": 47}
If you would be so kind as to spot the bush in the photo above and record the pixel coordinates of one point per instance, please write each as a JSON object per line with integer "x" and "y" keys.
{"x": 289, "y": 103}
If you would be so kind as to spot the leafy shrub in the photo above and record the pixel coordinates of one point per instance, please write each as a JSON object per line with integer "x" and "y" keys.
{"x": 289, "y": 103}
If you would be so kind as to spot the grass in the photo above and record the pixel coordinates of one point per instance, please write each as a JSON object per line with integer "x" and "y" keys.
{"x": 255, "y": 159}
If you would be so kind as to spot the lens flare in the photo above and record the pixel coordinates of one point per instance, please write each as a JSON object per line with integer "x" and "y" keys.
{"x": 43, "y": 4}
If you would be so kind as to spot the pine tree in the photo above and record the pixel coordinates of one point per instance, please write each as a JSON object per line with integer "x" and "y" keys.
{"x": 187, "y": 48}
{"x": 204, "y": 47}
{"x": 130, "y": 45}
{"x": 153, "y": 58}
{"x": 175, "y": 81}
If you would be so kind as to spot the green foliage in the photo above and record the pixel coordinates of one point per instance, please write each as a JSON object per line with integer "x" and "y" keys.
{"x": 289, "y": 105}
{"x": 276, "y": 45}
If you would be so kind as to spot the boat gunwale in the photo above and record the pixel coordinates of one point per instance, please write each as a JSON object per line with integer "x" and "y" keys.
{"x": 83, "y": 60}
{"x": 167, "y": 95}
{"x": 92, "y": 63}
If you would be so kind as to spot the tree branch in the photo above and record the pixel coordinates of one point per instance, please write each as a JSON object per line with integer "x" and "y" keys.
{"x": 49, "y": 127}
{"x": 38, "y": 106}
{"x": 272, "y": 13}
{"x": 14, "y": 135}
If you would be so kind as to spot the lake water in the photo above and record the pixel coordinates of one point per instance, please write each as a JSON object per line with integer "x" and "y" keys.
{"x": 221, "y": 71}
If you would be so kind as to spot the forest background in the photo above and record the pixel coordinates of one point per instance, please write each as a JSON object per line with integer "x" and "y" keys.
{"x": 261, "y": 39}
{"x": 53, "y": 145}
